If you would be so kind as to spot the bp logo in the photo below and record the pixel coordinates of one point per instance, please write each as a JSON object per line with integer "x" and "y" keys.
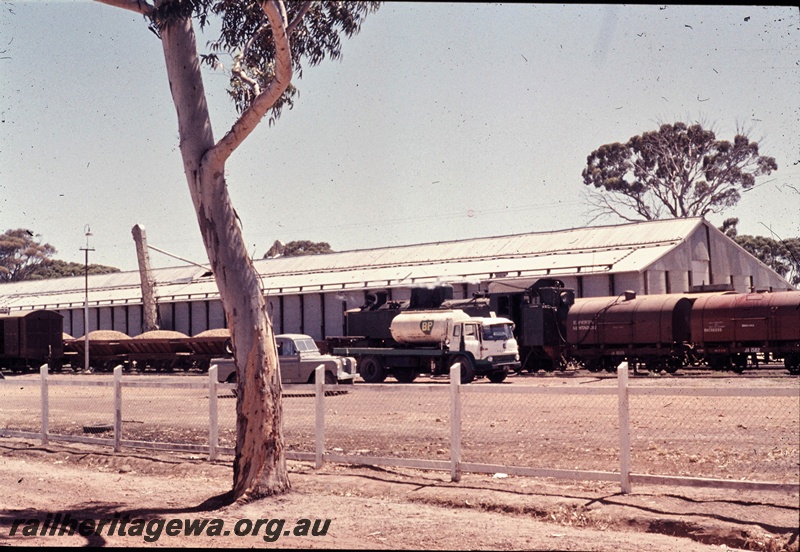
{"x": 426, "y": 326}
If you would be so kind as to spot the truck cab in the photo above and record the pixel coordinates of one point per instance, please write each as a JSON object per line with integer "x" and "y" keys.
{"x": 491, "y": 343}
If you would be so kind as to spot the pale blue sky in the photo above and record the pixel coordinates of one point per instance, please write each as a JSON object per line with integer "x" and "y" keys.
{"x": 440, "y": 122}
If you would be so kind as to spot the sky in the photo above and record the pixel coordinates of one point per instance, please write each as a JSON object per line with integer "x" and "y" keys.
{"x": 440, "y": 122}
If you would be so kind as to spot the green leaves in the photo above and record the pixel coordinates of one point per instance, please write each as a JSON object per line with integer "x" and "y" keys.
{"x": 298, "y": 248}
{"x": 316, "y": 31}
{"x": 782, "y": 256}
{"x": 19, "y": 253}
{"x": 23, "y": 257}
{"x": 677, "y": 171}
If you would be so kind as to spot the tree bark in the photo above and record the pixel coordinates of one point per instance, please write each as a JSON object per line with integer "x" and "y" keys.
{"x": 259, "y": 467}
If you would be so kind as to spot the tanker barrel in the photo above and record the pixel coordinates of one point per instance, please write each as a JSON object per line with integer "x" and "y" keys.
{"x": 424, "y": 327}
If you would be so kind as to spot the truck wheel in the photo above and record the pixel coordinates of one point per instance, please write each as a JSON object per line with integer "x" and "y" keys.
{"x": 371, "y": 369}
{"x": 467, "y": 370}
{"x": 232, "y": 379}
{"x": 404, "y": 375}
{"x": 497, "y": 377}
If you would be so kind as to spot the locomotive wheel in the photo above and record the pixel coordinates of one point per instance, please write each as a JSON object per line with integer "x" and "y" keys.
{"x": 673, "y": 365}
{"x": 467, "y": 370}
{"x": 404, "y": 375}
{"x": 371, "y": 369}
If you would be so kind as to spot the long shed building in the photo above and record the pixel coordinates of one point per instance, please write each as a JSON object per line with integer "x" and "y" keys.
{"x": 309, "y": 294}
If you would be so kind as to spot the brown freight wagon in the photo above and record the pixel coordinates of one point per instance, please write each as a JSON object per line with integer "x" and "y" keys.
{"x": 29, "y": 339}
{"x": 649, "y": 330}
{"x": 737, "y": 330}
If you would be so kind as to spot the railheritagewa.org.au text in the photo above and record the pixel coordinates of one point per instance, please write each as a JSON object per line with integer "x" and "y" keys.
{"x": 151, "y": 530}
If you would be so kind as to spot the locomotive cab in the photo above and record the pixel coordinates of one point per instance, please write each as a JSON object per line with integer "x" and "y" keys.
{"x": 541, "y": 315}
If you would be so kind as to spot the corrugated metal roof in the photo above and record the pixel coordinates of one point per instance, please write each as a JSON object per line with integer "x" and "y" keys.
{"x": 620, "y": 248}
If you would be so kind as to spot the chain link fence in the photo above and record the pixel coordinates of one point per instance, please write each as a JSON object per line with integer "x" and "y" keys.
{"x": 733, "y": 431}
{"x": 746, "y": 438}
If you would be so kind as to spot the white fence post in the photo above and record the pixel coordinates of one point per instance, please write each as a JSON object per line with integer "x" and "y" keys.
{"x": 45, "y": 405}
{"x": 213, "y": 414}
{"x": 455, "y": 422}
{"x": 117, "y": 407}
{"x": 624, "y": 429}
{"x": 319, "y": 400}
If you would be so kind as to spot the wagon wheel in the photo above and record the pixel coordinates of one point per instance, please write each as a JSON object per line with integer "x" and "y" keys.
{"x": 738, "y": 363}
{"x": 792, "y": 363}
{"x": 673, "y": 365}
{"x": 655, "y": 366}
{"x": 593, "y": 364}
{"x": 371, "y": 369}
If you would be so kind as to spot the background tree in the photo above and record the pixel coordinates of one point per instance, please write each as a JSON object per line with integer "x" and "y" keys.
{"x": 782, "y": 256}
{"x": 269, "y": 41}
{"x": 23, "y": 257}
{"x": 55, "y": 268}
{"x": 20, "y": 254}
{"x": 297, "y": 248}
{"x": 675, "y": 172}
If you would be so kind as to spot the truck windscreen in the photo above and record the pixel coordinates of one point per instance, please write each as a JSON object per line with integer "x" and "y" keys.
{"x": 497, "y": 332}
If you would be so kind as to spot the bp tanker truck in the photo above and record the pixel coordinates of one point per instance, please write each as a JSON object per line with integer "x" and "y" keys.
{"x": 427, "y": 335}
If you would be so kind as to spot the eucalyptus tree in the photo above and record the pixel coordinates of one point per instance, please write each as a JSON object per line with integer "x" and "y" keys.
{"x": 677, "y": 171}
{"x": 21, "y": 254}
{"x": 781, "y": 255}
{"x": 269, "y": 41}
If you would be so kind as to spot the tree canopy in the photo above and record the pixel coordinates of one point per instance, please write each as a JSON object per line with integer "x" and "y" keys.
{"x": 297, "y": 248}
{"x": 56, "y": 268}
{"x": 24, "y": 257}
{"x": 20, "y": 253}
{"x": 677, "y": 171}
{"x": 782, "y": 256}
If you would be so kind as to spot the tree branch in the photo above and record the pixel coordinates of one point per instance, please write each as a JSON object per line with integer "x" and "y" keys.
{"x": 298, "y": 17}
{"x": 241, "y": 129}
{"x": 139, "y": 6}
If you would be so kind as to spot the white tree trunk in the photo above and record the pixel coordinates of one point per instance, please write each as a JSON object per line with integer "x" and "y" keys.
{"x": 259, "y": 465}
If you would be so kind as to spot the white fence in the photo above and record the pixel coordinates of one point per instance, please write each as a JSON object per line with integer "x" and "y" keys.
{"x": 459, "y": 425}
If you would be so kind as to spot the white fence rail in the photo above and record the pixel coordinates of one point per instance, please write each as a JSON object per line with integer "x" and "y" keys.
{"x": 313, "y": 437}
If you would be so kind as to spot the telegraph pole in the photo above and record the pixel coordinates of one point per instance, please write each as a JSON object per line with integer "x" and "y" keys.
{"x": 86, "y": 250}
{"x": 150, "y": 316}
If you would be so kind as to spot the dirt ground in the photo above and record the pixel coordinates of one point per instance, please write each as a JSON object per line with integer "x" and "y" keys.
{"x": 371, "y": 508}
